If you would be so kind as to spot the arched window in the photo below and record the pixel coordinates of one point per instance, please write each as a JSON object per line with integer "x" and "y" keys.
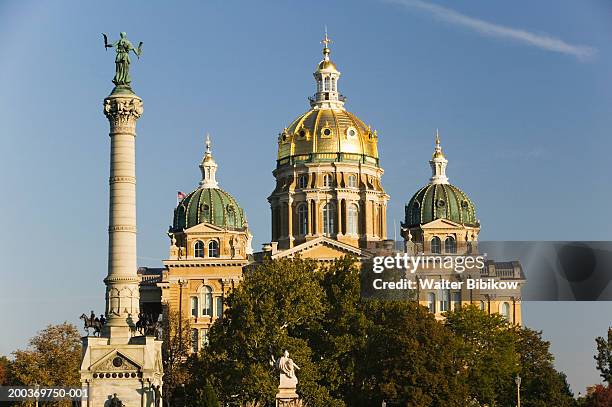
{"x": 198, "y": 249}
{"x": 207, "y": 301}
{"x": 449, "y": 245}
{"x": 302, "y": 218}
{"x": 436, "y": 245}
{"x": 194, "y": 340}
{"x": 213, "y": 248}
{"x": 505, "y": 310}
{"x": 326, "y": 87}
{"x": 328, "y": 180}
{"x": 333, "y": 84}
{"x": 329, "y": 215}
{"x": 353, "y": 219}
{"x": 231, "y": 215}
{"x": 206, "y": 212}
{"x": 431, "y": 302}
{"x": 352, "y": 181}
{"x": 194, "y": 306}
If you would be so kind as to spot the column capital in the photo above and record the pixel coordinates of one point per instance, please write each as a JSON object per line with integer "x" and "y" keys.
{"x": 122, "y": 111}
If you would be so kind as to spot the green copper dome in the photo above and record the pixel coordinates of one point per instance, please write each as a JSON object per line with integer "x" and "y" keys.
{"x": 440, "y": 201}
{"x": 210, "y": 205}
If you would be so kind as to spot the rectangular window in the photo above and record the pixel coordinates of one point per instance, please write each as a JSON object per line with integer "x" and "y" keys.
{"x": 194, "y": 340}
{"x": 457, "y": 300}
{"x": 219, "y": 306}
{"x": 204, "y": 336}
{"x": 194, "y": 306}
{"x": 444, "y": 300}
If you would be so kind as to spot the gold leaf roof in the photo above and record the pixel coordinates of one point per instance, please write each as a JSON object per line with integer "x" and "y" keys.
{"x": 324, "y": 130}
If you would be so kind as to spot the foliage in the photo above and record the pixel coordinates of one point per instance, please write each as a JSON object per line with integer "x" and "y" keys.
{"x": 604, "y": 357}
{"x": 203, "y": 396}
{"x": 490, "y": 354}
{"x": 354, "y": 352}
{"x": 541, "y": 384}
{"x": 273, "y": 301}
{"x": 53, "y": 358}
{"x": 5, "y": 371}
{"x": 410, "y": 359}
{"x": 597, "y": 396}
{"x": 175, "y": 350}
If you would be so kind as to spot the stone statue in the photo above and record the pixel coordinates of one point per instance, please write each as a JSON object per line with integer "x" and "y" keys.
{"x": 157, "y": 393}
{"x": 93, "y": 322}
{"x": 148, "y": 324}
{"x": 287, "y": 368}
{"x": 122, "y": 61}
{"x": 115, "y": 402}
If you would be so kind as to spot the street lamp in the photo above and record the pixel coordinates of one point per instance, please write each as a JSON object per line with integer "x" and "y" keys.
{"x": 517, "y": 380}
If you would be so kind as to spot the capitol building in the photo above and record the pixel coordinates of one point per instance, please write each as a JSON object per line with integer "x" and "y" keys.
{"x": 327, "y": 201}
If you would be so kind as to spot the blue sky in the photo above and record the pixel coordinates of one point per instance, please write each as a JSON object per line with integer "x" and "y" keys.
{"x": 521, "y": 92}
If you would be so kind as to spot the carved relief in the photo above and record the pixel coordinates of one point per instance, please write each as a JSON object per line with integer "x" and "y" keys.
{"x": 123, "y": 113}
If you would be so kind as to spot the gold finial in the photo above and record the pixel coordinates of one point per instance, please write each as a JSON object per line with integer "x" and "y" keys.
{"x": 208, "y": 143}
{"x": 438, "y": 150}
{"x": 326, "y": 41}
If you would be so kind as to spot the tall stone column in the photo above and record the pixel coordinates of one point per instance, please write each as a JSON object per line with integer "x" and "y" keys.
{"x": 122, "y": 293}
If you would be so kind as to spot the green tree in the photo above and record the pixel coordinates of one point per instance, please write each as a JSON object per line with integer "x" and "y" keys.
{"x": 175, "y": 351}
{"x": 202, "y": 396}
{"x": 491, "y": 358}
{"x": 274, "y": 302}
{"x": 411, "y": 359}
{"x": 52, "y": 358}
{"x": 541, "y": 385}
{"x": 604, "y": 357}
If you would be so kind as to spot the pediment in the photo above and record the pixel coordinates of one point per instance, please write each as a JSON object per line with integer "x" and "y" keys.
{"x": 321, "y": 249}
{"x": 442, "y": 224}
{"x": 204, "y": 228}
{"x": 115, "y": 361}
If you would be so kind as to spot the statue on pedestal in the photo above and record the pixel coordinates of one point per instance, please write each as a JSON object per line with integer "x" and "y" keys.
{"x": 123, "y": 46}
{"x": 286, "y": 396}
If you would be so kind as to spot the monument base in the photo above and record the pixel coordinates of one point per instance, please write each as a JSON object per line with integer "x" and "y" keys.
{"x": 287, "y": 397}
{"x": 131, "y": 371}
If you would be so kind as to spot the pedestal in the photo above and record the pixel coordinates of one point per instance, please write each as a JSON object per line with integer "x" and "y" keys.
{"x": 130, "y": 371}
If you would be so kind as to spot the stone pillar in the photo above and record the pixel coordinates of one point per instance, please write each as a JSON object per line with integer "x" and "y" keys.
{"x": 122, "y": 293}
{"x": 290, "y": 236}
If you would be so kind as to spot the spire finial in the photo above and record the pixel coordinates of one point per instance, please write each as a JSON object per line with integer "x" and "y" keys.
{"x": 438, "y": 164}
{"x": 438, "y": 149}
{"x": 326, "y": 41}
{"x": 208, "y": 166}
{"x": 208, "y": 144}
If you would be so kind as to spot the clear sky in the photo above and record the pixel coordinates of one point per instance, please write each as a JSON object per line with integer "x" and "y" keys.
{"x": 521, "y": 92}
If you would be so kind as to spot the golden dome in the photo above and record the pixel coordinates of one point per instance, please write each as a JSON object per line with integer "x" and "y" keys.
{"x": 326, "y": 65}
{"x": 325, "y": 134}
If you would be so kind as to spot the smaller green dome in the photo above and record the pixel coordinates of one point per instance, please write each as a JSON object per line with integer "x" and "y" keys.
{"x": 440, "y": 201}
{"x": 209, "y": 205}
